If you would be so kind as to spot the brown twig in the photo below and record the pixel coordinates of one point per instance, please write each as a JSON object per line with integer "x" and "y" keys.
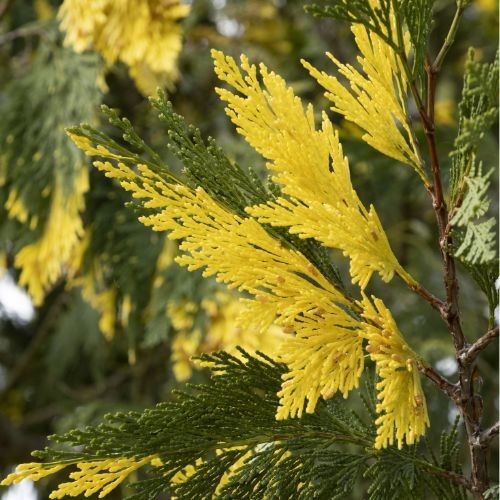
{"x": 489, "y": 434}
{"x": 451, "y": 390}
{"x": 429, "y": 297}
{"x": 452, "y": 476}
{"x": 451, "y": 314}
{"x": 469, "y": 403}
{"x": 470, "y": 353}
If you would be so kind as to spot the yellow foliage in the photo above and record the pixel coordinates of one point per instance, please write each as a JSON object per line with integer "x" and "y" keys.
{"x": 185, "y": 345}
{"x": 165, "y": 259}
{"x": 229, "y": 327}
{"x": 184, "y": 474}
{"x": 233, "y": 469}
{"x": 319, "y": 340}
{"x": 94, "y": 476}
{"x": 16, "y": 208}
{"x": 33, "y": 471}
{"x": 228, "y": 330}
{"x": 3, "y": 263}
{"x": 237, "y": 250}
{"x": 310, "y": 165}
{"x": 144, "y": 34}
{"x": 101, "y": 297}
{"x": 324, "y": 355}
{"x": 376, "y": 100}
{"x": 43, "y": 10}
{"x": 402, "y": 406}
{"x": 104, "y": 302}
{"x": 44, "y": 261}
{"x": 444, "y": 112}
{"x": 488, "y": 6}
{"x": 101, "y": 476}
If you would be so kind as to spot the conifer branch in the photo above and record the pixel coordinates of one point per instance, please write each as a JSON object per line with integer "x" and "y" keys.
{"x": 450, "y": 37}
{"x": 235, "y": 434}
{"x": 450, "y": 313}
{"x": 463, "y": 394}
{"x": 448, "y": 309}
{"x": 413, "y": 88}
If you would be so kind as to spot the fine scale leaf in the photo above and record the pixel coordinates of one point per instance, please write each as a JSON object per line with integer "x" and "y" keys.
{"x": 469, "y": 185}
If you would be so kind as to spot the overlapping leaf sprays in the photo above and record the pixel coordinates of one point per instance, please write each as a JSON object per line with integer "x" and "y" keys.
{"x": 325, "y": 355}
{"x": 265, "y": 243}
{"x": 327, "y": 329}
{"x": 329, "y": 333}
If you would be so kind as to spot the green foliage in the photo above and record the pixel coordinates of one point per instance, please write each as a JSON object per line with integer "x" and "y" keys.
{"x": 376, "y": 19}
{"x": 475, "y": 203}
{"x": 492, "y": 492}
{"x": 179, "y": 286}
{"x": 485, "y": 276}
{"x": 448, "y": 459}
{"x": 477, "y": 241}
{"x": 401, "y": 474}
{"x": 65, "y": 352}
{"x": 478, "y": 110}
{"x": 395, "y": 475}
{"x": 231, "y": 420}
{"x": 325, "y": 455}
{"x": 299, "y": 470}
{"x": 478, "y": 244}
{"x": 123, "y": 248}
{"x": 418, "y": 17}
{"x": 206, "y": 165}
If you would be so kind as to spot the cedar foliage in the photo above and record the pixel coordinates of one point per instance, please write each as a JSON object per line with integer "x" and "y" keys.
{"x": 221, "y": 437}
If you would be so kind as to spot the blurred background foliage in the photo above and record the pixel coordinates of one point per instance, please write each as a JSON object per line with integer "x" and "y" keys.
{"x": 115, "y": 327}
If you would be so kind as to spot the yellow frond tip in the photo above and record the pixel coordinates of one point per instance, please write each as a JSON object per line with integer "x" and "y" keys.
{"x": 401, "y": 402}
{"x": 324, "y": 357}
{"x": 376, "y": 99}
{"x": 33, "y": 471}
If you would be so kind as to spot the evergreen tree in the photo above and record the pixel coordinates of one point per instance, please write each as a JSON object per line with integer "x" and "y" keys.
{"x": 317, "y": 391}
